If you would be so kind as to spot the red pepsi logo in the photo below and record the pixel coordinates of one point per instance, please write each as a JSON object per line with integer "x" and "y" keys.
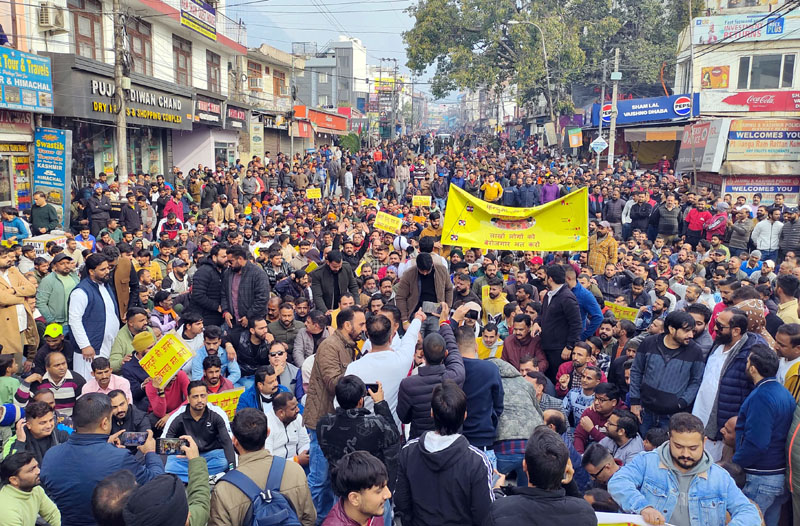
{"x": 606, "y": 113}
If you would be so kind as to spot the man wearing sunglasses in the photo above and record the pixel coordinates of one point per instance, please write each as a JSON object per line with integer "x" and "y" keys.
{"x": 287, "y": 372}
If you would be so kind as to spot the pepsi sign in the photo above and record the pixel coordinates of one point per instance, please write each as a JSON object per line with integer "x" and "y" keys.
{"x": 652, "y": 109}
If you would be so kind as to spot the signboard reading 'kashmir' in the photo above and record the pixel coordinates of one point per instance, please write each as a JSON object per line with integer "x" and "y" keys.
{"x": 52, "y": 169}
{"x": 25, "y": 80}
{"x": 562, "y": 224}
{"x": 199, "y": 17}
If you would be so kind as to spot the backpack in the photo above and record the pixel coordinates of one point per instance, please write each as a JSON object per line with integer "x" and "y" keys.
{"x": 268, "y": 507}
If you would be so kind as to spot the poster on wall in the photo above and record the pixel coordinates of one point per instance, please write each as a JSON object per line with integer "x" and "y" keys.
{"x": 52, "y": 152}
{"x": 715, "y": 77}
{"x": 256, "y": 138}
{"x": 764, "y": 139}
{"x": 768, "y": 186}
{"x": 200, "y": 17}
{"x": 746, "y": 27}
{"x": 25, "y": 81}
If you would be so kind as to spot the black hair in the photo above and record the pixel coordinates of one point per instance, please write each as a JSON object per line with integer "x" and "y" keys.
{"x": 212, "y": 360}
{"x": 350, "y": 389}
{"x": 392, "y": 310}
{"x": 160, "y": 296}
{"x": 195, "y": 383}
{"x": 426, "y": 244}
{"x": 100, "y": 363}
{"x": 379, "y": 329}
{"x": 523, "y": 318}
{"x": 628, "y": 326}
{"x": 319, "y": 318}
{"x": 424, "y": 261}
{"x": 12, "y": 464}
{"x": 347, "y": 315}
{"x": 262, "y": 372}
{"x": 792, "y": 330}
{"x": 656, "y": 436}
{"x": 433, "y": 348}
{"x": 212, "y": 332}
{"x": 596, "y": 455}
{"x": 555, "y": 418}
{"x": 764, "y": 360}
{"x": 556, "y": 273}
{"x": 110, "y": 496}
{"x": 546, "y": 458}
{"x": 678, "y": 320}
{"x": 627, "y": 421}
{"x": 357, "y": 471}
{"x": 37, "y": 409}
{"x": 111, "y": 395}
{"x": 249, "y": 428}
{"x": 281, "y": 400}
{"x": 508, "y": 308}
{"x": 610, "y": 390}
{"x": 190, "y": 317}
{"x": 89, "y": 410}
{"x": 449, "y": 407}
{"x": 6, "y": 361}
{"x": 602, "y": 500}
{"x": 686, "y": 423}
{"x": 789, "y": 284}
{"x": 237, "y": 251}
{"x": 702, "y": 310}
{"x": 94, "y": 261}
{"x": 334, "y": 256}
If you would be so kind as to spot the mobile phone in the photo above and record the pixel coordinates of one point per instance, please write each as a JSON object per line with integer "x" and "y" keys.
{"x": 372, "y": 387}
{"x": 431, "y": 307}
{"x": 170, "y": 446}
{"x": 133, "y": 439}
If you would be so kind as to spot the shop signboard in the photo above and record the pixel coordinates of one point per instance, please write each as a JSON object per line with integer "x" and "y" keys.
{"x": 256, "y": 138}
{"x": 767, "y": 186}
{"x": 26, "y": 81}
{"x": 235, "y": 118}
{"x": 772, "y": 101}
{"x": 651, "y": 109}
{"x": 703, "y": 146}
{"x": 208, "y": 111}
{"x": 20, "y": 122}
{"x": 200, "y": 17}
{"x": 52, "y": 150}
{"x": 764, "y": 139}
{"x": 745, "y": 27}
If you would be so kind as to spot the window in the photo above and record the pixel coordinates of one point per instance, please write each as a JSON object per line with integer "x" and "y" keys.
{"x": 141, "y": 46}
{"x": 87, "y": 24}
{"x": 684, "y": 73}
{"x": 182, "y": 55}
{"x": 323, "y": 78}
{"x": 766, "y": 71}
{"x": 322, "y": 100}
{"x": 213, "y": 70}
{"x": 279, "y": 83}
{"x": 255, "y": 77}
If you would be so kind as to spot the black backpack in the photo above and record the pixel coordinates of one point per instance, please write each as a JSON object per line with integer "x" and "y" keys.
{"x": 268, "y": 507}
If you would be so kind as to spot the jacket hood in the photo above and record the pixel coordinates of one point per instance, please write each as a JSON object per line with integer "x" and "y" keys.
{"x": 506, "y": 369}
{"x": 439, "y": 460}
{"x": 207, "y": 261}
{"x": 666, "y": 458}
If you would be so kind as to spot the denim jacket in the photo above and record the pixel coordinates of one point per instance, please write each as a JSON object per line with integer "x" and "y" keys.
{"x": 647, "y": 481}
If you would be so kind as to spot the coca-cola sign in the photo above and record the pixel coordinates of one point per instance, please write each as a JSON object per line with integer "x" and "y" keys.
{"x": 765, "y": 100}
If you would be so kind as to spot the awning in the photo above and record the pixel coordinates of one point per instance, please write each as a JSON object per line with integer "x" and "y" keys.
{"x": 302, "y": 129}
{"x": 655, "y": 133}
{"x": 330, "y": 131}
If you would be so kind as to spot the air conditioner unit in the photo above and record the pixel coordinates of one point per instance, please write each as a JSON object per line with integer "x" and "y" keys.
{"x": 256, "y": 83}
{"x": 51, "y": 17}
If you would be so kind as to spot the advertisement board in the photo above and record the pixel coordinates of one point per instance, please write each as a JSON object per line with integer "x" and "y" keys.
{"x": 52, "y": 152}
{"x": 649, "y": 109}
{"x": 745, "y": 27}
{"x": 26, "y": 81}
{"x": 200, "y": 17}
{"x": 767, "y": 186}
{"x": 715, "y": 77}
{"x": 764, "y": 139}
{"x": 703, "y": 146}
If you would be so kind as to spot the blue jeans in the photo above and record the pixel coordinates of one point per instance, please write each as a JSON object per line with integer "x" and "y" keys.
{"x": 246, "y": 382}
{"x": 650, "y": 419}
{"x": 506, "y": 463}
{"x": 769, "y": 254}
{"x": 318, "y": 481}
{"x": 217, "y": 463}
{"x": 769, "y": 493}
{"x": 440, "y": 203}
{"x": 370, "y": 193}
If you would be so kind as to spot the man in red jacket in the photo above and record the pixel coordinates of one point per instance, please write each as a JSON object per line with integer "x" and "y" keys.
{"x": 570, "y": 373}
{"x": 522, "y": 343}
{"x": 592, "y": 425}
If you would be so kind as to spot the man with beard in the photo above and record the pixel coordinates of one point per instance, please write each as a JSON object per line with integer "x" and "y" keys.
{"x": 570, "y": 373}
{"x": 661, "y": 290}
{"x": 55, "y": 288}
{"x": 251, "y": 349}
{"x": 606, "y": 334}
{"x": 666, "y": 372}
{"x": 726, "y": 288}
{"x": 462, "y": 293}
{"x": 493, "y": 302}
{"x": 602, "y": 248}
{"x": 672, "y": 469}
{"x": 125, "y": 415}
{"x": 286, "y": 327}
{"x": 22, "y": 498}
{"x": 331, "y": 280}
{"x": 489, "y": 272}
{"x": 725, "y": 385}
{"x": 93, "y": 314}
{"x": 387, "y": 292}
{"x": 245, "y": 291}
{"x": 701, "y": 315}
{"x": 207, "y": 285}
{"x": 612, "y": 283}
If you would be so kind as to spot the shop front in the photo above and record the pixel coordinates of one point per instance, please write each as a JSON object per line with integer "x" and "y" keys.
{"x": 208, "y": 143}
{"x": 237, "y": 119}
{"x": 327, "y": 125}
{"x": 276, "y": 131}
{"x": 27, "y": 89}
{"x": 154, "y": 109}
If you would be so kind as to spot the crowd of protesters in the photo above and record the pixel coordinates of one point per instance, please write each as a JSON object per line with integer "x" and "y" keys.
{"x": 390, "y": 377}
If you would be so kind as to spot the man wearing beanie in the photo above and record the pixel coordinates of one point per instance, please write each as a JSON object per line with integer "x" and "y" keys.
{"x": 133, "y": 372}
{"x": 164, "y": 502}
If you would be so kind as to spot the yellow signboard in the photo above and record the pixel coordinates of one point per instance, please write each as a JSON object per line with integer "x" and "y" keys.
{"x": 622, "y": 312}
{"x": 388, "y": 223}
{"x": 620, "y": 519}
{"x": 471, "y": 222}
{"x": 314, "y": 193}
{"x": 369, "y": 202}
{"x": 166, "y": 358}
{"x": 227, "y": 400}
{"x": 418, "y": 219}
{"x": 421, "y": 200}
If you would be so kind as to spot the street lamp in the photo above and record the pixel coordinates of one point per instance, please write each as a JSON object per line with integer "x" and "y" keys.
{"x": 546, "y": 68}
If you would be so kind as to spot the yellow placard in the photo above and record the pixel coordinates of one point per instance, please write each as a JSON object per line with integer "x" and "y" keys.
{"x": 418, "y": 219}
{"x": 622, "y": 312}
{"x": 311, "y": 267}
{"x": 388, "y": 223}
{"x": 369, "y": 202}
{"x": 471, "y": 222}
{"x": 358, "y": 269}
{"x": 314, "y": 193}
{"x": 421, "y": 200}
{"x": 619, "y": 519}
{"x": 166, "y": 358}
{"x": 227, "y": 400}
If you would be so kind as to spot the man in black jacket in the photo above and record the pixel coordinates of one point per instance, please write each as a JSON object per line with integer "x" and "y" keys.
{"x": 38, "y": 432}
{"x": 245, "y": 289}
{"x": 560, "y": 321}
{"x": 441, "y": 479}
{"x": 353, "y": 428}
{"x": 130, "y": 219}
{"x": 125, "y": 415}
{"x": 99, "y": 210}
{"x": 640, "y": 212}
{"x": 207, "y": 285}
{"x": 544, "y": 500}
{"x": 44, "y": 217}
{"x": 331, "y": 280}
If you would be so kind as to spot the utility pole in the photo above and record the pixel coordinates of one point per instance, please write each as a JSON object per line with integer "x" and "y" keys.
{"x": 600, "y": 112}
{"x": 393, "y": 122}
{"x": 615, "y": 76}
{"x": 291, "y": 120}
{"x": 121, "y": 85}
{"x": 411, "y": 126}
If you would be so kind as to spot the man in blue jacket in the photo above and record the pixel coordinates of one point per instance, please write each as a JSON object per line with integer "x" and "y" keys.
{"x": 260, "y": 394}
{"x": 761, "y": 431}
{"x": 70, "y": 471}
{"x": 591, "y": 314}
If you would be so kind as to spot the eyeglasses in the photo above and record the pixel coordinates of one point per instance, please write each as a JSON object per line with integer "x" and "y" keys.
{"x": 720, "y": 327}
{"x": 601, "y": 400}
{"x": 597, "y": 474}
{"x": 279, "y": 353}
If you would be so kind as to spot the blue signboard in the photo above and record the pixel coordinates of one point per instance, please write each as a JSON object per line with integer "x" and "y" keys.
{"x": 648, "y": 110}
{"x": 26, "y": 81}
{"x": 52, "y": 160}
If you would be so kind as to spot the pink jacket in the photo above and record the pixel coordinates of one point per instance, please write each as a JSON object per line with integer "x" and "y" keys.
{"x": 337, "y": 517}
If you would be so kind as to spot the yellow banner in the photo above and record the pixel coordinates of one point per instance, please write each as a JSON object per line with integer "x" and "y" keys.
{"x": 166, "y": 358}
{"x": 619, "y": 519}
{"x": 421, "y": 200}
{"x": 419, "y": 219}
{"x": 622, "y": 312}
{"x": 388, "y": 223}
{"x": 227, "y": 400}
{"x": 314, "y": 193}
{"x": 471, "y": 222}
{"x": 369, "y": 202}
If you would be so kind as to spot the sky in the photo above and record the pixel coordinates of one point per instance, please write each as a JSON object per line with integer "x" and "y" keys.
{"x": 377, "y": 23}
